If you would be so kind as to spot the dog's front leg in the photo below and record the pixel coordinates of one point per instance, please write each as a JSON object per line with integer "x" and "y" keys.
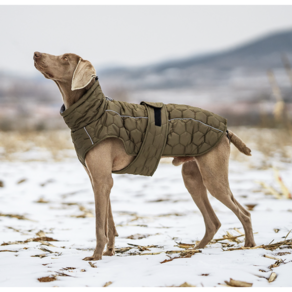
{"x": 112, "y": 232}
{"x": 99, "y": 170}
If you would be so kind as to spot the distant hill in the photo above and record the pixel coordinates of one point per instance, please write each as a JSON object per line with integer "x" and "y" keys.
{"x": 258, "y": 56}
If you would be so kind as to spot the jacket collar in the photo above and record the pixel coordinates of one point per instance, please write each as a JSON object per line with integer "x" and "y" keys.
{"x": 80, "y": 101}
{"x": 87, "y": 109}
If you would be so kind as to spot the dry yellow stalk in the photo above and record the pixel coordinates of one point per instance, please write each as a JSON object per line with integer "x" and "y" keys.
{"x": 288, "y": 234}
{"x": 142, "y": 248}
{"x": 279, "y": 110}
{"x": 225, "y": 237}
{"x": 275, "y": 88}
{"x": 240, "y": 232}
{"x": 236, "y": 283}
{"x": 242, "y": 247}
{"x": 186, "y": 284}
{"x": 45, "y": 250}
{"x": 279, "y": 180}
{"x": 92, "y": 265}
{"x": 41, "y": 233}
{"x": 43, "y": 255}
{"x": 272, "y": 277}
{"x": 46, "y": 243}
{"x": 271, "y": 246}
{"x": 151, "y": 253}
{"x": 270, "y": 189}
{"x": 273, "y": 258}
{"x": 19, "y": 217}
{"x": 185, "y": 245}
{"x": 172, "y": 251}
{"x": 231, "y": 238}
{"x": 183, "y": 251}
{"x": 279, "y": 105}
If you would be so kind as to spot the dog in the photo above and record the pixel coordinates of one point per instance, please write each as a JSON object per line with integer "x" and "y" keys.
{"x": 75, "y": 77}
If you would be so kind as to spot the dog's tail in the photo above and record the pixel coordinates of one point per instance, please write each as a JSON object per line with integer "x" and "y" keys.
{"x": 239, "y": 144}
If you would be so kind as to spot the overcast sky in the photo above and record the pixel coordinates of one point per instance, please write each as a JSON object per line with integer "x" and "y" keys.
{"x": 130, "y": 35}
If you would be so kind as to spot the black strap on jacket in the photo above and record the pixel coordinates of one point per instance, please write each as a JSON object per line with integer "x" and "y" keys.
{"x": 157, "y": 116}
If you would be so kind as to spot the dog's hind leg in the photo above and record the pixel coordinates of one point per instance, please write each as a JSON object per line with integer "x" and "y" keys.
{"x": 194, "y": 184}
{"x": 112, "y": 232}
{"x": 214, "y": 170}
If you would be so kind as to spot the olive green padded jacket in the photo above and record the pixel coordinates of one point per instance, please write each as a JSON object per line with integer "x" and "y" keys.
{"x": 148, "y": 130}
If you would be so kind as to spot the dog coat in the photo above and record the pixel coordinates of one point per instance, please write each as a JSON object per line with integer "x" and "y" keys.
{"x": 148, "y": 130}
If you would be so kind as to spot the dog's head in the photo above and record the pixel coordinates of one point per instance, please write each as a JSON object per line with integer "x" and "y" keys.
{"x": 67, "y": 69}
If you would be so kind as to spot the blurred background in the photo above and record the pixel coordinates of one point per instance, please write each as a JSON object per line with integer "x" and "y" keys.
{"x": 232, "y": 60}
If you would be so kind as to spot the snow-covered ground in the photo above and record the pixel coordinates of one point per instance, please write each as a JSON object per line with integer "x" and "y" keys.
{"x": 57, "y": 199}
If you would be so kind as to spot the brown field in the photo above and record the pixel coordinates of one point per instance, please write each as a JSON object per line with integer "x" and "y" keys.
{"x": 269, "y": 142}
{"x": 17, "y": 142}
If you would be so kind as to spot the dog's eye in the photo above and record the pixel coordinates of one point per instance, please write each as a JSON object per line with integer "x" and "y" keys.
{"x": 65, "y": 58}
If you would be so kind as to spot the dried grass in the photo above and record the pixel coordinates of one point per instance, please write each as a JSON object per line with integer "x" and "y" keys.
{"x": 283, "y": 194}
{"x": 19, "y": 217}
{"x": 92, "y": 265}
{"x": 18, "y": 142}
{"x": 271, "y": 246}
{"x": 122, "y": 249}
{"x": 43, "y": 255}
{"x": 68, "y": 269}
{"x": 48, "y": 279}
{"x": 270, "y": 142}
{"x": 186, "y": 284}
{"x": 107, "y": 284}
{"x": 42, "y": 240}
{"x": 41, "y": 200}
{"x": 138, "y": 236}
{"x": 63, "y": 274}
{"x": 236, "y": 283}
{"x": 86, "y": 212}
{"x": 272, "y": 277}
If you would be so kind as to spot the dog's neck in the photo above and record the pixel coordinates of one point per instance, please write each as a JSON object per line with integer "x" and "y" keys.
{"x": 70, "y": 97}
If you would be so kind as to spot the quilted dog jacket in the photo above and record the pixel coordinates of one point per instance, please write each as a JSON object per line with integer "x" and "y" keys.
{"x": 148, "y": 130}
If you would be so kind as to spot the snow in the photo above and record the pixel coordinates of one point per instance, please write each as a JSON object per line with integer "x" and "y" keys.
{"x": 159, "y": 207}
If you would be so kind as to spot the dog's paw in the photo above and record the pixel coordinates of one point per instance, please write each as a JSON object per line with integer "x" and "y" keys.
{"x": 109, "y": 252}
{"x": 250, "y": 243}
{"x": 93, "y": 258}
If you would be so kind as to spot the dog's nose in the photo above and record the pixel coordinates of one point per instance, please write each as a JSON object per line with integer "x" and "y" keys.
{"x": 37, "y": 55}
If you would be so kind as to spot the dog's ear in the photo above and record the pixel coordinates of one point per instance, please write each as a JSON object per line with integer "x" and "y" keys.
{"x": 83, "y": 74}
